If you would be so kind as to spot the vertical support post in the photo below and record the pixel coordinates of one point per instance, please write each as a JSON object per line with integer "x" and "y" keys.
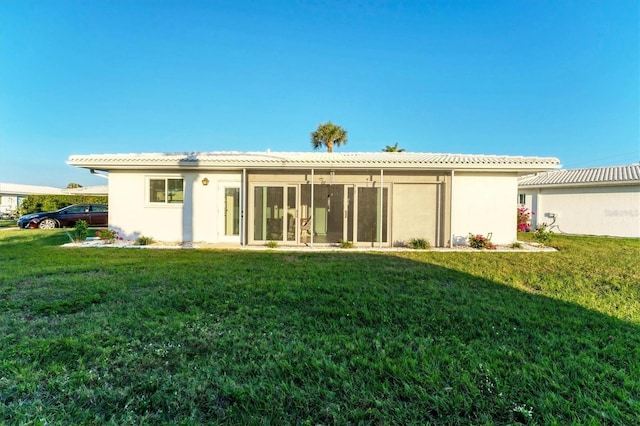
{"x": 243, "y": 208}
{"x": 312, "y": 214}
{"x": 264, "y": 212}
{"x": 451, "y": 216}
{"x": 380, "y": 213}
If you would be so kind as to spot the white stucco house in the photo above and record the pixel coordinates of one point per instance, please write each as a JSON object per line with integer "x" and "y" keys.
{"x": 371, "y": 199}
{"x": 591, "y": 201}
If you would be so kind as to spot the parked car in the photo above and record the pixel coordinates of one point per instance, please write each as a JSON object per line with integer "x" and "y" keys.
{"x": 93, "y": 214}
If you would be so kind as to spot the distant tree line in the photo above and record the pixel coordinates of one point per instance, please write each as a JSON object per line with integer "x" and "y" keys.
{"x": 48, "y": 203}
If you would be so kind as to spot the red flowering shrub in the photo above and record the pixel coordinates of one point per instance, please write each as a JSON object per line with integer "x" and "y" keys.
{"x": 109, "y": 236}
{"x": 481, "y": 242}
{"x": 524, "y": 219}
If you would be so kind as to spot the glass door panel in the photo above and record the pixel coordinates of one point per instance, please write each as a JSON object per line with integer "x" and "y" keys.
{"x": 371, "y": 214}
{"x": 232, "y": 211}
{"x": 305, "y": 213}
{"x": 291, "y": 213}
{"x": 268, "y": 213}
{"x": 329, "y": 213}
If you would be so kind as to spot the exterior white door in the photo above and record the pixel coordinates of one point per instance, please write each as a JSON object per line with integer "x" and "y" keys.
{"x": 229, "y": 213}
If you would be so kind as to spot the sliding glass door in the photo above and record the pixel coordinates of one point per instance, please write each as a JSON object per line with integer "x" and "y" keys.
{"x": 319, "y": 214}
{"x": 274, "y": 213}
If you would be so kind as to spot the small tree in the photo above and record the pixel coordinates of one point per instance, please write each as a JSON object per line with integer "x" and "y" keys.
{"x": 328, "y": 134}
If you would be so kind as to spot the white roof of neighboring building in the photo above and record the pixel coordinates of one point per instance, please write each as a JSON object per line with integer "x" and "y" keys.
{"x": 20, "y": 189}
{"x": 87, "y": 190}
{"x": 273, "y": 160}
{"x": 615, "y": 175}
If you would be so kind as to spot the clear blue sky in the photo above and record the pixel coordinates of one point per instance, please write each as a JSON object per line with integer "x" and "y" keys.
{"x": 542, "y": 78}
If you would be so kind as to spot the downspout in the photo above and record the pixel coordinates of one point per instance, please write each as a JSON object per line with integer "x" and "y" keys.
{"x": 94, "y": 172}
{"x": 381, "y": 215}
{"x": 453, "y": 173}
{"x": 243, "y": 197}
{"x": 311, "y": 212}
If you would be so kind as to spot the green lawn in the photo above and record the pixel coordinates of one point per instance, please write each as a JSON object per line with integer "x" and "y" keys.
{"x": 135, "y": 336}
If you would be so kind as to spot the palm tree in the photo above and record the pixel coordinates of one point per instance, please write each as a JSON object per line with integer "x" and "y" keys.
{"x": 393, "y": 148}
{"x": 328, "y": 134}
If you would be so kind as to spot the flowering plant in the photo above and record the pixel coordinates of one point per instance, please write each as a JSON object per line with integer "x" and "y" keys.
{"x": 108, "y": 235}
{"x": 481, "y": 242}
{"x": 524, "y": 219}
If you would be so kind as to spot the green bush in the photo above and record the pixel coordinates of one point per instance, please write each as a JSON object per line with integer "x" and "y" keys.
{"x": 80, "y": 231}
{"x": 48, "y": 203}
{"x": 109, "y": 236}
{"x": 346, "y": 244}
{"x": 542, "y": 235}
{"x": 144, "y": 241}
{"x": 272, "y": 244}
{"x": 419, "y": 243}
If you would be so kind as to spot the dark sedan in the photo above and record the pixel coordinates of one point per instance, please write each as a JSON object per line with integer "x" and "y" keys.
{"x": 93, "y": 214}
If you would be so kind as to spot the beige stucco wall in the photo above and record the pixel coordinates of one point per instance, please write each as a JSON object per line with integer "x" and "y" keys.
{"x": 197, "y": 219}
{"x": 416, "y": 212}
{"x": 603, "y": 210}
{"x": 484, "y": 203}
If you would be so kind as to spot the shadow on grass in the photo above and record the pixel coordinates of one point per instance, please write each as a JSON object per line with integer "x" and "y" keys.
{"x": 300, "y": 338}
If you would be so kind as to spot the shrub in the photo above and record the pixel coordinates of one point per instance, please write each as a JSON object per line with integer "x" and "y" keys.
{"x": 346, "y": 244}
{"x": 524, "y": 219}
{"x": 272, "y": 244}
{"x": 542, "y": 234}
{"x": 109, "y": 236}
{"x": 419, "y": 243}
{"x": 48, "y": 203}
{"x": 80, "y": 231}
{"x": 144, "y": 241}
{"x": 516, "y": 245}
{"x": 481, "y": 242}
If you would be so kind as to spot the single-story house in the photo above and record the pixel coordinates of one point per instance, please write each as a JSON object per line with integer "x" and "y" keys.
{"x": 376, "y": 199}
{"x": 12, "y": 194}
{"x": 592, "y": 201}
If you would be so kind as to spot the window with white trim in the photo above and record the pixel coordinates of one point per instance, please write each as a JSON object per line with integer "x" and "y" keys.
{"x": 166, "y": 190}
{"x": 522, "y": 198}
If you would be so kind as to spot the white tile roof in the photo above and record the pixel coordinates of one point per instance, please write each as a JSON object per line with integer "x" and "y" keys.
{"x": 88, "y": 190}
{"x": 21, "y": 189}
{"x": 275, "y": 160}
{"x": 592, "y": 176}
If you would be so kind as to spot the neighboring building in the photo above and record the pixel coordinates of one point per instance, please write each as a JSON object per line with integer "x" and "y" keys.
{"x": 372, "y": 199}
{"x": 594, "y": 201}
{"x": 87, "y": 190}
{"x": 12, "y": 194}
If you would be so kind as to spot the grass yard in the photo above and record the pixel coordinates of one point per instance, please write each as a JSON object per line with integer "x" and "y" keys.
{"x": 127, "y": 336}
{"x": 8, "y": 223}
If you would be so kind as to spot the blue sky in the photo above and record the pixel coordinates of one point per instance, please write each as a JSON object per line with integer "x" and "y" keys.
{"x": 542, "y": 78}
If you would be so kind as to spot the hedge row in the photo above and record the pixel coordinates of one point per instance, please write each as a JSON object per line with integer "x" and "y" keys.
{"x": 48, "y": 203}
